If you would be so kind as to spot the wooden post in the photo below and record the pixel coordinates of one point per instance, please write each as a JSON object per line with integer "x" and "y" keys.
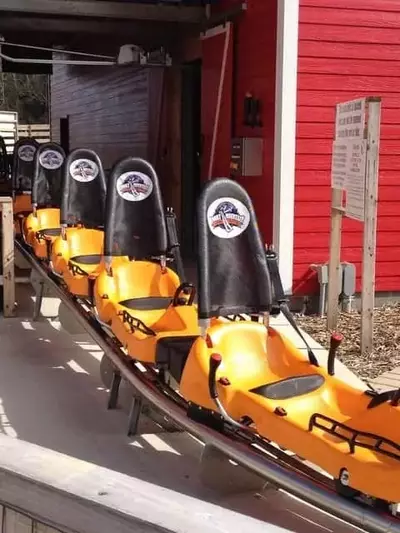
{"x": 370, "y": 208}
{"x": 334, "y": 259}
{"x": 7, "y": 229}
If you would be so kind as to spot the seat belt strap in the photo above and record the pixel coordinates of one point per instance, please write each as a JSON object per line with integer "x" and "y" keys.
{"x": 173, "y": 243}
{"x": 280, "y": 299}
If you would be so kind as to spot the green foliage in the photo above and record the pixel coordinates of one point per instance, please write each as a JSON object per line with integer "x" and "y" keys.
{"x": 27, "y": 94}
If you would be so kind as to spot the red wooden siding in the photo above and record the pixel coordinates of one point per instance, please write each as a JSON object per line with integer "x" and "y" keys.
{"x": 347, "y": 49}
{"x": 108, "y": 109}
{"x": 254, "y": 72}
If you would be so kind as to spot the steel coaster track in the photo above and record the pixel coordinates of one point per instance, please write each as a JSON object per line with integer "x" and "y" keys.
{"x": 277, "y": 467}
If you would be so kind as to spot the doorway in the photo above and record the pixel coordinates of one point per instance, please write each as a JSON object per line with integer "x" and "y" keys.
{"x": 64, "y": 133}
{"x": 190, "y": 155}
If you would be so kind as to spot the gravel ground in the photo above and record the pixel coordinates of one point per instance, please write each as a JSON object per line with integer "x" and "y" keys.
{"x": 385, "y": 355}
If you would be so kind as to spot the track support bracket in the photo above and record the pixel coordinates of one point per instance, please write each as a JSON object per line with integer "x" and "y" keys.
{"x": 134, "y": 415}
{"x": 114, "y": 391}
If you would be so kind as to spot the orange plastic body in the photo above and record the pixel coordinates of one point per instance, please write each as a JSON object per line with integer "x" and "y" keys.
{"x": 44, "y": 219}
{"x": 22, "y": 204}
{"x": 252, "y": 358}
{"x": 78, "y": 242}
{"x": 142, "y": 279}
{"x": 130, "y": 279}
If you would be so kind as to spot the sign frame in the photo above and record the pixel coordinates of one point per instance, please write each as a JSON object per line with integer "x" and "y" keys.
{"x": 367, "y": 132}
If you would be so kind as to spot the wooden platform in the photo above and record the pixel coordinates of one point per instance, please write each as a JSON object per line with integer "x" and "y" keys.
{"x": 388, "y": 380}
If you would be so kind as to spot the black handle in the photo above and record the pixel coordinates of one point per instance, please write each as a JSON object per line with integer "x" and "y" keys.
{"x": 215, "y": 361}
{"x": 186, "y": 288}
{"x": 396, "y": 398}
{"x": 336, "y": 340}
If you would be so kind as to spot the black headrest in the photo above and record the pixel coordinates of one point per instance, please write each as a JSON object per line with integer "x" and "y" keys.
{"x": 135, "y": 217}
{"x": 24, "y": 164}
{"x": 48, "y": 175}
{"x": 84, "y": 189}
{"x": 232, "y": 267}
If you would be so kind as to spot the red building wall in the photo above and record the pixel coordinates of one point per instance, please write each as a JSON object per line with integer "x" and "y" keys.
{"x": 347, "y": 49}
{"x": 253, "y": 71}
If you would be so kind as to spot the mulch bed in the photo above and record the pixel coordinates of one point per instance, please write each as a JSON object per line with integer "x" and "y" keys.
{"x": 386, "y": 351}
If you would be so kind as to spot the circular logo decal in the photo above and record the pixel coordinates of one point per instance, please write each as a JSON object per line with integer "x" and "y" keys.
{"x": 51, "y": 159}
{"x": 84, "y": 170}
{"x": 26, "y": 152}
{"x": 134, "y": 186}
{"x": 227, "y": 218}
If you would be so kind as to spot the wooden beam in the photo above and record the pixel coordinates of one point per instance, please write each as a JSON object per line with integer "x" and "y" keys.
{"x": 101, "y": 8}
{"x": 52, "y": 25}
{"x": 51, "y": 31}
{"x": 7, "y": 229}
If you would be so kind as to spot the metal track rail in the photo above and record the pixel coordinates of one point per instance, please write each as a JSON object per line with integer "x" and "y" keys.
{"x": 243, "y": 454}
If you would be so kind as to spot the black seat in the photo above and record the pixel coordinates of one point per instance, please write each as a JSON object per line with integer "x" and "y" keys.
{"x": 172, "y": 353}
{"x": 148, "y": 303}
{"x": 49, "y": 232}
{"x": 87, "y": 259}
{"x": 290, "y": 387}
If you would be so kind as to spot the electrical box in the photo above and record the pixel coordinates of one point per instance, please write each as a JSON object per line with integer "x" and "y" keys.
{"x": 247, "y": 156}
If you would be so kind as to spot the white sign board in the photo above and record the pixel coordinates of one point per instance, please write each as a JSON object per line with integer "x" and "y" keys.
{"x": 339, "y": 164}
{"x": 355, "y": 180}
{"x": 350, "y": 120}
{"x": 349, "y": 156}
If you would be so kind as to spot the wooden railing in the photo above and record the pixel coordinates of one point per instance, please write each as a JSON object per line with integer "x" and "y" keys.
{"x": 8, "y": 128}
{"x": 41, "y": 132}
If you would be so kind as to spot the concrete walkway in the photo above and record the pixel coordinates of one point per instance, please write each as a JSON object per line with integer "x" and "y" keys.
{"x": 51, "y": 395}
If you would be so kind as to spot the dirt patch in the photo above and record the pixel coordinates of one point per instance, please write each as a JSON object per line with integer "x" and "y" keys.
{"x": 386, "y": 351}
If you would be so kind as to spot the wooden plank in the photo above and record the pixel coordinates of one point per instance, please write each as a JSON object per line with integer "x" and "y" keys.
{"x": 7, "y": 228}
{"x": 337, "y": 50}
{"x": 356, "y": 18}
{"x": 384, "y": 268}
{"x": 34, "y": 127}
{"x": 389, "y": 147}
{"x": 319, "y": 114}
{"x": 312, "y": 210}
{"x": 349, "y": 67}
{"x": 8, "y": 116}
{"x": 337, "y": 33}
{"x": 369, "y": 245}
{"x": 322, "y": 162}
{"x": 304, "y": 279}
{"x": 325, "y": 131}
{"x": 320, "y": 193}
{"x": 387, "y": 227}
{"x": 14, "y": 522}
{"x": 334, "y": 260}
{"x": 387, "y": 242}
{"x": 354, "y": 5}
{"x": 348, "y": 83}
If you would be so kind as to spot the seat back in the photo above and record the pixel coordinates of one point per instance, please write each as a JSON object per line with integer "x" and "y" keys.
{"x": 233, "y": 275}
{"x": 23, "y": 165}
{"x": 83, "y": 190}
{"x": 3, "y": 160}
{"x": 47, "y": 178}
{"x": 135, "y": 218}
